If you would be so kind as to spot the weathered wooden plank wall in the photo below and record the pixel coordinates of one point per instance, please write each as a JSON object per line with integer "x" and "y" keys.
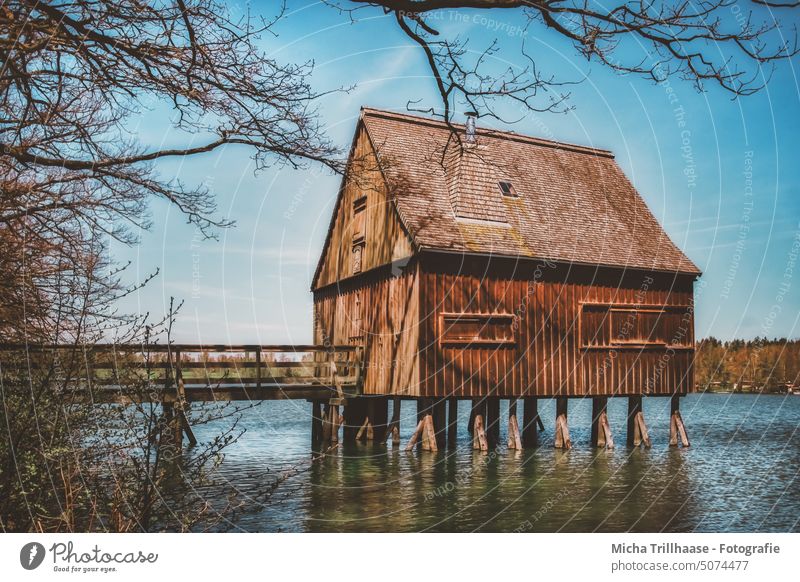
{"x": 384, "y": 240}
{"x": 551, "y": 355}
{"x": 380, "y": 311}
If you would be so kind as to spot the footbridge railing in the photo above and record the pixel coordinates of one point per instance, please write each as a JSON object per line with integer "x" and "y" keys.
{"x": 196, "y": 372}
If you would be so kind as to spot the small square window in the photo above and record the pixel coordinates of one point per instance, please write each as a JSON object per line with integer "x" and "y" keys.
{"x": 507, "y": 188}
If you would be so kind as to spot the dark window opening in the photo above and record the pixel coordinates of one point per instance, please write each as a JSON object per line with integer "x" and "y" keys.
{"x": 507, "y": 188}
{"x": 472, "y": 328}
{"x": 358, "y": 228}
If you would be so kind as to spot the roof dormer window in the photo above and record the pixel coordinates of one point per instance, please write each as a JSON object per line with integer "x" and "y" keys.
{"x": 507, "y": 188}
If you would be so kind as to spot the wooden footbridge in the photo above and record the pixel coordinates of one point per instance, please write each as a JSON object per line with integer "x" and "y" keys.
{"x": 194, "y": 372}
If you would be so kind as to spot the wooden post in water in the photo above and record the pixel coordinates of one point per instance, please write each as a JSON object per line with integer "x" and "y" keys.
{"x": 677, "y": 430}
{"x": 637, "y": 429}
{"x": 493, "y": 420}
{"x": 430, "y": 434}
{"x": 514, "y": 437}
{"x": 601, "y": 430}
{"x": 452, "y": 422}
{"x": 422, "y": 405}
{"x": 416, "y": 436}
{"x": 394, "y": 424}
{"x": 326, "y": 423}
{"x": 378, "y": 413}
{"x": 425, "y": 426}
{"x": 531, "y": 420}
{"x": 425, "y": 409}
{"x": 439, "y": 412}
{"x": 355, "y": 421}
{"x": 338, "y": 421}
{"x": 316, "y": 422}
{"x": 479, "y": 440}
{"x": 331, "y": 423}
{"x": 471, "y": 421}
{"x": 181, "y": 404}
{"x": 562, "y": 426}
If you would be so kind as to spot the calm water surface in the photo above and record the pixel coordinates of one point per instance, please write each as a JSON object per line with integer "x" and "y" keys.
{"x": 740, "y": 474}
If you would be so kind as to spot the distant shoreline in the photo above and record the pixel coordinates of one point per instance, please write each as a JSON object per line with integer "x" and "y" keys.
{"x": 748, "y": 393}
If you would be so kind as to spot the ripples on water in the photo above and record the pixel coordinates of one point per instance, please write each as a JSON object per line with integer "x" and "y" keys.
{"x": 740, "y": 474}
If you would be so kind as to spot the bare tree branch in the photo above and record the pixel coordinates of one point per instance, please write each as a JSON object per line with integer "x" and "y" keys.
{"x": 704, "y": 43}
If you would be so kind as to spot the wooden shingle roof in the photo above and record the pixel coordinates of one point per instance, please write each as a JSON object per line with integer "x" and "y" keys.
{"x": 574, "y": 203}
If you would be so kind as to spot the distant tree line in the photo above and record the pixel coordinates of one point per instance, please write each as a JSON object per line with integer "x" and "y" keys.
{"x": 758, "y": 365}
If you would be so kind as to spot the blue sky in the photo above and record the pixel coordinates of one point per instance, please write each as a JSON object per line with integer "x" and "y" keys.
{"x": 721, "y": 175}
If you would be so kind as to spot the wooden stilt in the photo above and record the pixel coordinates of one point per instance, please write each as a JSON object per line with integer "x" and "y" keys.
{"x": 362, "y": 432}
{"x": 477, "y": 416}
{"x": 355, "y": 413}
{"x": 605, "y": 438}
{"x": 530, "y": 434}
{"x": 452, "y": 422}
{"x": 471, "y": 421}
{"x": 171, "y": 438}
{"x": 642, "y": 428}
{"x": 326, "y": 423}
{"x": 598, "y": 404}
{"x": 514, "y": 437}
{"x": 423, "y": 409}
{"x": 433, "y": 445}
{"x": 425, "y": 417}
{"x": 677, "y": 430}
{"x": 371, "y": 419}
{"x": 601, "y": 431}
{"x": 637, "y": 429}
{"x": 439, "y": 420}
{"x": 415, "y": 437}
{"x": 187, "y": 428}
{"x": 316, "y": 422}
{"x": 634, "y": 405}
{"x": 181, "y": 405}
{"x": 394, "y": 424}
{"x": 493, "y": 420}
{"x": 479, "y": 440}
{"x": 379, "y": 418}
{"x": 426, "y": 437}
{"x": 562, "y": 427}
{"x": 336, "y": 422}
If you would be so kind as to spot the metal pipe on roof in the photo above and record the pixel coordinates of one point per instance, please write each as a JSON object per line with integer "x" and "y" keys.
{"x": 472, "y": 116}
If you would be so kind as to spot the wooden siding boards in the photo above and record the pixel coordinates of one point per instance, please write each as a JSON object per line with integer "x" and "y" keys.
{"x": 385, "y": 239}
{"x": 398, "y": 320}
{"x": 548, "y": 357}
{"x": 387, "y": 304}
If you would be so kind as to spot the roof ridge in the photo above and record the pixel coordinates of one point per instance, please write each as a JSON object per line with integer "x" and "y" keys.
{"x": 495, "y": 133}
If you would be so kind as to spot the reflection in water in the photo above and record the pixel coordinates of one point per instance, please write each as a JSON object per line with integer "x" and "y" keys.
{"x": 739, "y": 475}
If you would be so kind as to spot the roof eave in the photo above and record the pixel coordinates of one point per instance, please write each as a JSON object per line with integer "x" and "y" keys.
{"x": 696, "y": 273}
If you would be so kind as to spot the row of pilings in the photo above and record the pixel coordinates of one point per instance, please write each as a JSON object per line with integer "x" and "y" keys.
{"x": 366, "y": 418}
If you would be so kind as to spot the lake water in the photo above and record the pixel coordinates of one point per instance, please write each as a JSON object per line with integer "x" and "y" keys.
{"x": 740, "y": 474}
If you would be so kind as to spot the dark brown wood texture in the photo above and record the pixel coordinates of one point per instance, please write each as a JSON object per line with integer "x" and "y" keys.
{"x": 551, "y": 355}
{"x": 380, "y": 311}
{"x": 364, "y": 217}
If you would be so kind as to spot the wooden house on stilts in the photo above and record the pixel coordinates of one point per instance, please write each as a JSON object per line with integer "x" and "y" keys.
{"x": 480, "y": 265}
